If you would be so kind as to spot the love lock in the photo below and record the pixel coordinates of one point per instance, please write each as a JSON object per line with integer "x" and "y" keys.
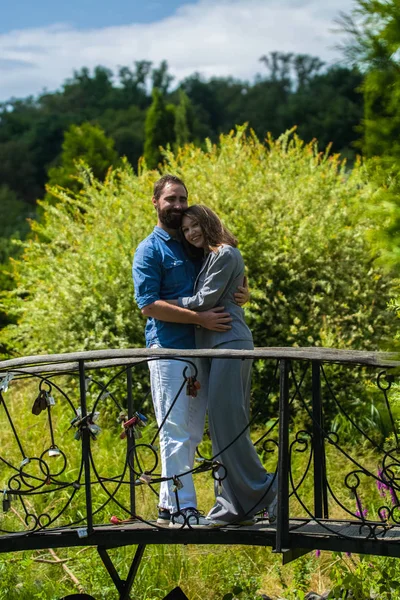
{"x": 40, "y": 403}
{"x": 94, "y": 430}
{"x": 6, "y": 501}
{"x": 145, "y": 478}
{"x": 178, "y": 485}
{"x": 131, "y": 425}
{"x": 54, "y": 451}
{"x": 50, "y": 400}
{"x": 6, "y": 381}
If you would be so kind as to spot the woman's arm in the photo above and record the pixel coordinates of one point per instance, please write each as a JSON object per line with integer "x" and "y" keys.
{"x": 218, "y": 276}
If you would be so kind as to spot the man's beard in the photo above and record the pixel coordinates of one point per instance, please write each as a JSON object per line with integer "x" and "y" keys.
{"x": 170, "y": 218}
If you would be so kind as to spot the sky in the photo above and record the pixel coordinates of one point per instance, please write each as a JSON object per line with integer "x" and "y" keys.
{"x": 42, "y": 42}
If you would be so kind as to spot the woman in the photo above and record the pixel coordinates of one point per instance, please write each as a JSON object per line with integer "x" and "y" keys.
{"x": 247, "y": 488}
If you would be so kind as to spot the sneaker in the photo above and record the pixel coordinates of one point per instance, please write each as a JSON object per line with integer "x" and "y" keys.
{"x": 188, "y": 517}
{"x": 164, "y": 517}
{"x": 242, "y": 523}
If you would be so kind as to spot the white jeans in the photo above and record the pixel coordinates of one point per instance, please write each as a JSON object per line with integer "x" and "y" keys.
{"x": 183, "y": 428}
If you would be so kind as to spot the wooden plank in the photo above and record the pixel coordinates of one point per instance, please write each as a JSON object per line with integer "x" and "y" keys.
{"x": 261, "y": 534}
{"x": 69, "y": 367}
{"x": 376, "y": 359}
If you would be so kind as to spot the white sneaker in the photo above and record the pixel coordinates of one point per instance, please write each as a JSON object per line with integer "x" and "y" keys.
{"x": 188, "y": 517}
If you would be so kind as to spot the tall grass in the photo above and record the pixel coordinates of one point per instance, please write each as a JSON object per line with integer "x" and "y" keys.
{"x": 203, "y": 572}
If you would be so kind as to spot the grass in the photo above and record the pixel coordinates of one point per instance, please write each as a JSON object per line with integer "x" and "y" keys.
{"x": 211, "y": 572}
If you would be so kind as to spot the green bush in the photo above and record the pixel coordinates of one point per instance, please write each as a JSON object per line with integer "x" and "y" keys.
{"x": 300, "y": 219}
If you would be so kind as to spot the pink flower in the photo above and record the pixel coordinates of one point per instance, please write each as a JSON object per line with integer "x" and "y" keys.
{"x": 318, "y": 553}
{"x": 380, "y": 484}
{"x": 393, "y": 496}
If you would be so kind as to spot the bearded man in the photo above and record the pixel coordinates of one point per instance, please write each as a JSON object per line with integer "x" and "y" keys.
{"x": 161, "y": 271}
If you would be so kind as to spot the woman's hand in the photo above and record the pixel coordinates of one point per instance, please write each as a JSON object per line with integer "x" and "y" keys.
{"x": 242, "y": 295}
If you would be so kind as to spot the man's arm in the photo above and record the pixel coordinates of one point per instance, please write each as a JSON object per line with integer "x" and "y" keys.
{"x": 242, "y": 295}
{"x": 214, "y": 319}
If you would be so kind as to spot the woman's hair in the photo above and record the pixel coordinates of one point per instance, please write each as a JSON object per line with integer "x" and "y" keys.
{"x": 214, "y": 231}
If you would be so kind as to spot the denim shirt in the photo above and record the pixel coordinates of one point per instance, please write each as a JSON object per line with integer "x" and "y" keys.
{"x": 162, "y": 271}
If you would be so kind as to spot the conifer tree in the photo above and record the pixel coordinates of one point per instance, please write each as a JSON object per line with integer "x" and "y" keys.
{"x": 182, "y": 118}
{"x": 374, "y": 44}
{"x": 158, "y": 129}
{"x": 83, "y": 142}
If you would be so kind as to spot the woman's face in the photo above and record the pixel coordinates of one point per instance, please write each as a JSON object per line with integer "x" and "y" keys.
{"x": 193, "y": 232}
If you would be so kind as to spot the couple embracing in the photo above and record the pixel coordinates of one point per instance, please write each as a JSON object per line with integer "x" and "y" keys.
{"x": 188, "y": 277}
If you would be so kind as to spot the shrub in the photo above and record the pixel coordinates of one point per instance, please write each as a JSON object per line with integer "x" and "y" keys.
{"x": 298, "y": 214}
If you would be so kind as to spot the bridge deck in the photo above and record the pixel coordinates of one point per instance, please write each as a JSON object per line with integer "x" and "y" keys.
{"x": 323, "y": 534}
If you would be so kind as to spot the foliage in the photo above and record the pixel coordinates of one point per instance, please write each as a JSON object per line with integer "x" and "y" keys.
{"x": 365, "y": 577}
{"x": 159, "y": 129}
{"x": 212, "y": 572}
{"x": 374, "y": 42}
{"x": 88, "y": 143}
{"x": 183, "y": 113}
{"x": 13, "y": 227}
{"x": 302, "y": 228}
{"x": 322, "y": 102}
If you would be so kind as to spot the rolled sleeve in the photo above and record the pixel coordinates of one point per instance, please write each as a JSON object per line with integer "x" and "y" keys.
{"x": 217, "y": 278}
{"x": 146, "y": 273}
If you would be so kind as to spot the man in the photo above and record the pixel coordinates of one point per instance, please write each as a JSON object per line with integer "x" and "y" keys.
{"x": 162, "y": 271}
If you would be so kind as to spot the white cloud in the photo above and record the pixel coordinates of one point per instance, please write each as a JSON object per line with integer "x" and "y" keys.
{"x": 214, "y": 37}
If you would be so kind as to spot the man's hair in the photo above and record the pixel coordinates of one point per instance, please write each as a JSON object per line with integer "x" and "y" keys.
{"x": 162, "y": 182}
{"x": 214, "y": 231}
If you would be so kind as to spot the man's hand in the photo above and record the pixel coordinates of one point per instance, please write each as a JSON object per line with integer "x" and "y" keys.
{"x": 242, "y": 295}
{"x": 215, "y": 319}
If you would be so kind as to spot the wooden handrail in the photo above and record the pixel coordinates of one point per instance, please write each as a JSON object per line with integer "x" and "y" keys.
{"x": 106, "y": 358}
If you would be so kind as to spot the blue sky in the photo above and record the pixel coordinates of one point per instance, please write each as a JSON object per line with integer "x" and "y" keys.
{"x": 84, "y": 14}
{"x": 42, "y": 42}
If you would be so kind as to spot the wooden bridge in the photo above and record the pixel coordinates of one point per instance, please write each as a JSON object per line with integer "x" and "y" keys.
{"x": 82, "y": 401}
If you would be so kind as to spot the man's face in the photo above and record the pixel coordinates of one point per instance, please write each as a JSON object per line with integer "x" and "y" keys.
{"x": 171, "y": 204}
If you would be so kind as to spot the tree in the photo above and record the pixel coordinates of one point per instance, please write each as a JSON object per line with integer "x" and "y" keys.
{"x": 134, "y": 84}
{"x": 158, "y": 128}
{"x": 89, "y": 144}
{"x": 161, "y": 78}
{"x": 13, "y": 228}
{"x": 183, "y": 115}
{"x": 374, "y": 44}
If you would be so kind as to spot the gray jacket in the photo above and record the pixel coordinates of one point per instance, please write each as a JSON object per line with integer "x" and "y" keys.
{"x": 218, "y": 280}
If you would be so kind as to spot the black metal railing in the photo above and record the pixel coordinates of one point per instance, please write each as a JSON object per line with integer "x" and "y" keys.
{"x": 79, "y": 460}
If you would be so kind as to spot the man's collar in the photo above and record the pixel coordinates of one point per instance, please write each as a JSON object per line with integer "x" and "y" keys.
{"x": 164, "y": 235}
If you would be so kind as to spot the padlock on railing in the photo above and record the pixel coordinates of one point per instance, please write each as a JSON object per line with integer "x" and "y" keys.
{"x": 6, "y": 501}
{"x": 6, "y": 382}
{"x": 192, "y": 386}
{"x": 87, "y": 422}
{"x": 40, "y": 403}
{"x": 131, "y": 426}
{"x": 49, "y": 399}
{"x": 54, "y": 451}
{"x": 94, "y": 430}
{"x": 178, "y": 485}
